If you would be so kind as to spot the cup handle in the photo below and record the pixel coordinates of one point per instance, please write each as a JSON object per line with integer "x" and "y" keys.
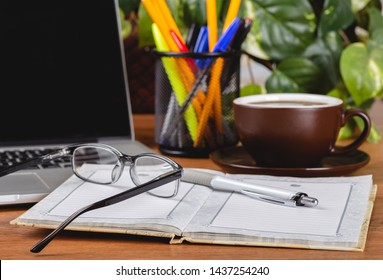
{"x": 361, "y": 138}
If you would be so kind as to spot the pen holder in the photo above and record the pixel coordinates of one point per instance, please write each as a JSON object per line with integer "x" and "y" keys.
{"x": 194, "y": 95}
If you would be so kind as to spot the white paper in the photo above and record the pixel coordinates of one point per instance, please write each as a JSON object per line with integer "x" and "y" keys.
{"x": 138, "y": 207}
{"x": 244, "y": 212}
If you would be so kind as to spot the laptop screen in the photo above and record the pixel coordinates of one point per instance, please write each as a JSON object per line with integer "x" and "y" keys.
{"x": 63, "y": 78}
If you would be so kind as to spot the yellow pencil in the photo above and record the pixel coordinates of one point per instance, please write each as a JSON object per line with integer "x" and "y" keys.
{"x": 160, "y": 21}
{"x": 170, "y": 66}
{"x": 214, "y": 93}
{"x": 167, "y": 15}
{"x": 213, "y": 100}
{"x": 231, "y": 13}
{"x": 212, "y": 25}
{"x": 216, "y": 88}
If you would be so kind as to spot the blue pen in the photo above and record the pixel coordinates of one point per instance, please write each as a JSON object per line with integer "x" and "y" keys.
{"x": 224, "y": 41}
{"x": 202, "y": 45}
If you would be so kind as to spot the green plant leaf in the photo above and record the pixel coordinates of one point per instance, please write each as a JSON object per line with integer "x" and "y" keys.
{"x": 252, "y": 89}
{"x": 295, "y": 75}
{"x": 194, "y": 12}
{"x": 377, "y": 39}
{"x": 339, "y": 93}
{"x": 375, "y": 27}
{"x": 336, "y": 14}
{"x": 325, "y": 52}
{"x": 282, "y": 28}
{"x": 362, "y": 72}
{"x": 358, "y": 5}
{"x": 347, "y": 131}
{"x": 376, "y": 20}
{"x": 279, "y": 82}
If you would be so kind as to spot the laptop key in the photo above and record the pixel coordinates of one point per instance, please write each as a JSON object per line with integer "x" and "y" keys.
{"x": 8, "y": 158}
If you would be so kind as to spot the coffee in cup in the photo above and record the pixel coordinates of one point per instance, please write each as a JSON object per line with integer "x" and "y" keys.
{"x": 294, "y": 129}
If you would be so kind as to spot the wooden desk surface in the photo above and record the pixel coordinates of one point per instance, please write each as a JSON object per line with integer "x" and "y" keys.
{"x": 15, "y": 241}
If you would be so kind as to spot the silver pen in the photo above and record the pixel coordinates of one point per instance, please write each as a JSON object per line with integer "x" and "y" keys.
{"x": 265, "y": 193}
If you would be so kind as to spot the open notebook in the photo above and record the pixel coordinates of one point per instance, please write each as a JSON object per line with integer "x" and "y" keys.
{"x": 63, "y": 81}
{"x": 199, "y": 214}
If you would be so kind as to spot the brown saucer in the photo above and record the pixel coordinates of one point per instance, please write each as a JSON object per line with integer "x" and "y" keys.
{"x": 237, "y": 160}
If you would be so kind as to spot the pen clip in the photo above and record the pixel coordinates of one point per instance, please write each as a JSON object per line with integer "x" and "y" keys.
{"x": 270, "y": 199}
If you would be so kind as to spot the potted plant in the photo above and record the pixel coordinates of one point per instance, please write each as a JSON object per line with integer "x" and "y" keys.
{"x": 332, "y": 47}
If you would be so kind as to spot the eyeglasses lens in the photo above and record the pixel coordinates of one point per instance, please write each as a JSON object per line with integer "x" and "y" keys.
{"x": 101, "y": 165}
{"x": 148, "y": 168}
{"x": 87, "y": 161}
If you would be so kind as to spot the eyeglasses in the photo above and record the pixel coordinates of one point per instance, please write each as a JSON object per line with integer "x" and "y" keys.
{"x": 103, "y": 164}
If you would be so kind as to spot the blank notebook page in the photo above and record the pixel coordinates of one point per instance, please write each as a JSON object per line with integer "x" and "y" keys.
{"x": 244, "y": 212}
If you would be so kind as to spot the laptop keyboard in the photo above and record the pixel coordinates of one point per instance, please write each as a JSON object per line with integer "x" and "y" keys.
{"x": 8, "y": 158}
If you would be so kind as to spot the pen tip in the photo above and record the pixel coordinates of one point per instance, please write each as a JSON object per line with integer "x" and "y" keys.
{"x": 309, "y": 201}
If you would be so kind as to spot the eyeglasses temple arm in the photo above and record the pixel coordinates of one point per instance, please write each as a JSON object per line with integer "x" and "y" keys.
{"x": 155, "y": 183}
{"x": 159, "y": 181}
{"x": 33, "y": 161}
{"x": 19, "y": 166}
{"x": 44, "y": 242}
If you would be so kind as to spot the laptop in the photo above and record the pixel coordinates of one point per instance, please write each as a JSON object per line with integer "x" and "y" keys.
{"x": 63, "y": 81}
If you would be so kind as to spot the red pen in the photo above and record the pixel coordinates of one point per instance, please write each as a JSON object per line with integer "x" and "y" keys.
{"x": 183, "y": 48}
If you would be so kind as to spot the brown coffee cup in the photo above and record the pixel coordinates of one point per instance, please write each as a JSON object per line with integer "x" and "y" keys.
{"x": 294, "y": 129}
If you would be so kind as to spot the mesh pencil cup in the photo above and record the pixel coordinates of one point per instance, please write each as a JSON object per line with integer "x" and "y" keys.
{"x": 194, "y": 95}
